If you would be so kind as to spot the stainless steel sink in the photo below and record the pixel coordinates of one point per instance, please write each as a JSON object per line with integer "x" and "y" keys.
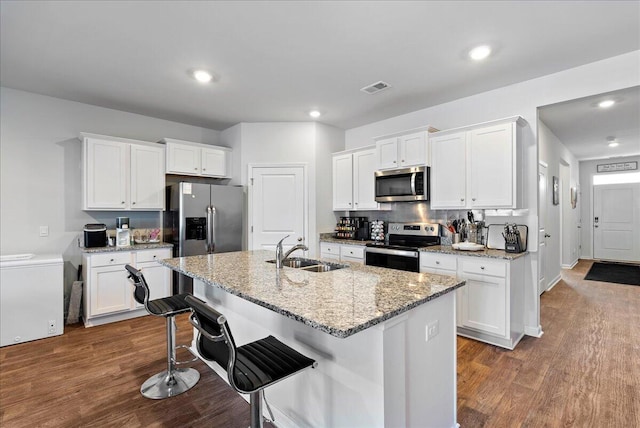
{"x": 324, "y": 267}
{"x": 310, "y": 265}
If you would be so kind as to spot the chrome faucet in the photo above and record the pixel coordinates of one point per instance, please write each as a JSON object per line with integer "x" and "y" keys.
{"x": 280, "y": 257}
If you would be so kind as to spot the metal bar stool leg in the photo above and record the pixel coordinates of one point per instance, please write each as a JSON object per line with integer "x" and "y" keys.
{"x": 255, "y": 403}
{"x": 173, "y": 381}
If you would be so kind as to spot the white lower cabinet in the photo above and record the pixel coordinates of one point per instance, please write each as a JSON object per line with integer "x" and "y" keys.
{"x": 490, "y": 306}
{"x": 342, "y": 252}
{"x": 108, "y": 293}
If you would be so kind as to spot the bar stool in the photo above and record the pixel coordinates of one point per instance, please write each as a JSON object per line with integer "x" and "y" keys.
{"x": 172, "y": 381}
{"x": 251, "y": 367}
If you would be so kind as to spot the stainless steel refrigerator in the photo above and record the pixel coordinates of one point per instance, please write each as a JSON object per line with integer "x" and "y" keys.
{"x": 203, "y": 219}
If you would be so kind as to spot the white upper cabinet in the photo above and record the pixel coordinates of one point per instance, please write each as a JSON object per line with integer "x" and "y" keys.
{"x": 122, "y": 174}
{"x": 403, "y": 149}
{"x": 187, "y": 158}
{"x": 353, "y": 180}
{"x": 448, "y": 171}
{"x": 477, "y": 166}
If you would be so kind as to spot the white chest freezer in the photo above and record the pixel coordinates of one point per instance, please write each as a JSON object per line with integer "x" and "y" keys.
{"x": 31, "y": 297}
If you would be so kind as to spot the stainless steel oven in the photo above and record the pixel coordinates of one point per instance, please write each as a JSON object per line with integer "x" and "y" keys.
{"x": 402, "y": 250}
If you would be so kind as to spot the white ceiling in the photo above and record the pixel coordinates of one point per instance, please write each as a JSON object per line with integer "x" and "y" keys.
{"x": 275, "y": 61}
{"x": 583, "y": 127}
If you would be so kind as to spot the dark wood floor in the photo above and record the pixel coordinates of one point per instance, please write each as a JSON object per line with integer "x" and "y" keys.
{"x": 583, "y": 372}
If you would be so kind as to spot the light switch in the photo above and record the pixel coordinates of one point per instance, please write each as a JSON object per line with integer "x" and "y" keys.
{"x": 44, "y": 230}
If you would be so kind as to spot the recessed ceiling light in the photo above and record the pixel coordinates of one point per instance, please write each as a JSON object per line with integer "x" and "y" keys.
{"x": 606, "y": 103}
{"x": 202, "y": 76}
{"x": 314, "y": 113}
{"x": 480, "y": 52}
{"x": 612, "y": 142}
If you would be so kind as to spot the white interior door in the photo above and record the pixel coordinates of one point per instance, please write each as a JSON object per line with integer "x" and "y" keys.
{"x": 616, "y": 222}
{"x": 277, "y": 206}
{"x": 542, "y": 232}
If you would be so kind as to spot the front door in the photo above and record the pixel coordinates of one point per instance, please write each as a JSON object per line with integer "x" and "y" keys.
{"x": 616, "y": 222}
{"x": 277, "y": 206}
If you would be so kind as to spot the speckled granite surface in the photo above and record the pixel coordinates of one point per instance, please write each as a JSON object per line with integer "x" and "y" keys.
{"x": 136, "y": 247}
{"x": 341, "y": 303}
{"x": 328, "y": 237}
{"x": 494, "y": 254}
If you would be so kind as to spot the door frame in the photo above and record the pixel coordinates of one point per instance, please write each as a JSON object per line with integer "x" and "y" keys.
{"x": 305, "y": 188}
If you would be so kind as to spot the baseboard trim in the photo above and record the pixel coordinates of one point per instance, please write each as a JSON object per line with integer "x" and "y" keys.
{"x": 571, "y": 266}
{"x": 553, "y": 283}
{"x": 533, "y": 331}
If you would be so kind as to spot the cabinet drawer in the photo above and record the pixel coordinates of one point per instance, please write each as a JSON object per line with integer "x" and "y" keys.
{"x": 484, "y": 267}
{"x": 352, "y": 252}
{"x": 114, "y": 258}
{"x": 153, "y": 255}
{"x": 438, "y": 261}
{"x": 326, "y": 248}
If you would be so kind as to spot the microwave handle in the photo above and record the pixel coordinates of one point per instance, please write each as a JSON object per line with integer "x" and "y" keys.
{"x": 413, "y": 184}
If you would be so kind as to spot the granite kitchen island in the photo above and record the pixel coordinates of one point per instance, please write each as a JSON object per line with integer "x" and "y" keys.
{"x": 365, "y": 326}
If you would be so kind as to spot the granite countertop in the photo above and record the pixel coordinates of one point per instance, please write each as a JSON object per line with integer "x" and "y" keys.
{"x": 135, "y": 247}
{"x": 490, "y": 253}
{"x": 341, "y": 302}
{"x": 328, "y": 237}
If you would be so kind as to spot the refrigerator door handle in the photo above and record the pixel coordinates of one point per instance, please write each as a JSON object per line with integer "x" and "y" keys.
{"x": 208, "y": 229}
{"x": 213, "y": 229}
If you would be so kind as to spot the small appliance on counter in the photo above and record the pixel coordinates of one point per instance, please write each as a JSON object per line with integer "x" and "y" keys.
{"x": 123, "y": 232}
{"x": 353, "y": 228}
{"x": 95, "y": 235}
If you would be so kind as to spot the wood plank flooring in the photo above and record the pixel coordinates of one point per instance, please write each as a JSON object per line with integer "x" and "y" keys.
{"x": 583, "y": 372}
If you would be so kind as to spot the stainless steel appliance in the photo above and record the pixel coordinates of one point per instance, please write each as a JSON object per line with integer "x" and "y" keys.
{"x": 404, "y": 241}
{"x": 203, "y": 219}
{"x": 405, "y": 184}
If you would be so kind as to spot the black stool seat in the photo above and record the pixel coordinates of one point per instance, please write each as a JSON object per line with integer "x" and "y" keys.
{"x": 251, "y": 367}
{"x": 167, "y": 306}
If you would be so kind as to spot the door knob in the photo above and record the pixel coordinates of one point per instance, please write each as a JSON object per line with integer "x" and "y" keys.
{"x": 547, "y": 236}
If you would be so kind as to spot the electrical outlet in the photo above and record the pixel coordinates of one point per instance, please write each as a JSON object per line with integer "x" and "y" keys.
{"x": 52, "y": 327}
{"x": 433, "y": 328}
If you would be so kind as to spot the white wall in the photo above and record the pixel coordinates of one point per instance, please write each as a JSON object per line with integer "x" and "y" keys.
{"x": 585, "y": 197}
{"x": 518, "y": 99}
{"x": 328, "y": 140}
{"x": 562, "y": 220}
{"x": 40, "y": 169}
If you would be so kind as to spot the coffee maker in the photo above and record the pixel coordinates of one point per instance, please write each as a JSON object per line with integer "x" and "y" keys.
{"x": 123, "y": 233}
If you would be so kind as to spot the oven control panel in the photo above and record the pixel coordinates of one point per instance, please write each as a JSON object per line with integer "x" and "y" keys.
{"x": 416, "y": 229}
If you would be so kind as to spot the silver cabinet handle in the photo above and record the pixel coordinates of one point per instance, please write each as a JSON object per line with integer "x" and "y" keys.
{"x": 437, "y": 262}
{"x": 133, "y": 203}
{"x": 122, "y": 202}
{"x": 473, "y": 199}
{"x": 482, "y": 267}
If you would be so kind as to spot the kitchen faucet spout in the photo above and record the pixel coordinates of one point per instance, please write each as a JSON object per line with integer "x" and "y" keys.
{"x": 280, "y": 257}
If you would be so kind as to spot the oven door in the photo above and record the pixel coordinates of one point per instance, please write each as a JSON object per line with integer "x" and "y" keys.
{"x": 393, "y": 259}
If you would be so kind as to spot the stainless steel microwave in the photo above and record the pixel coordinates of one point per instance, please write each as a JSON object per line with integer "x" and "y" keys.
{"x": 405, "y": 184}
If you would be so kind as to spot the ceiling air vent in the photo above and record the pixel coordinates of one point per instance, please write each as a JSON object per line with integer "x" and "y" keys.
{"x": 375, "y": 87}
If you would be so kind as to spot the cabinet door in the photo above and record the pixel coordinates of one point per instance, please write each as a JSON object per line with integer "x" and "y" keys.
{"x": 491, "y": 167}
{"x": 413, "y": 149}
{"x": 387, "y": 153}
{"x": 110, "y": 290}
{"x": 343, "y": 182}
{"x": 106, "y": 164}
{"x": 329, "y": 251}
{"x": 352, "y": 253}
{"x": 158, "y": 279}
{"x": 483, "y": 304}
{"x": 364, "y": 167}
{"x": 214, "y": 162}
{"x": 448, "y": 171}
{"x": 147, "y": 178}
{"x": 183, "y": 159}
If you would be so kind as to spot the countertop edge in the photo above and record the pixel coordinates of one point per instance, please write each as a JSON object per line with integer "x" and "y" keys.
{"x": 135, "y": 247}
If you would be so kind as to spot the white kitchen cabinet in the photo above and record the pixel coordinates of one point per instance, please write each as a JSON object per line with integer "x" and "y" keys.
{"x": 448, "y": 171}
{"x": 187, "y": 158}
{"x": 108, "y": 293}
{"x": 342, "y": 252}
{"x": 404, "y": 149}
{"x": 121, "y": 174}
{"x": 478, "y": 166}
{"x": 490, "y": 306}
{"x": 353, "y": 180}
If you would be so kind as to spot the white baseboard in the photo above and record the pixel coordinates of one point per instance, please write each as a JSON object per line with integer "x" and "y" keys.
{"x": 553, "y": 283}
{"x": 571, "y": 266}
{"x": 533, "y": 331}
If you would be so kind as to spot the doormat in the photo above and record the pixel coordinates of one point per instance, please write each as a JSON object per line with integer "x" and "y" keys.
{"x": 614, "y": 272}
